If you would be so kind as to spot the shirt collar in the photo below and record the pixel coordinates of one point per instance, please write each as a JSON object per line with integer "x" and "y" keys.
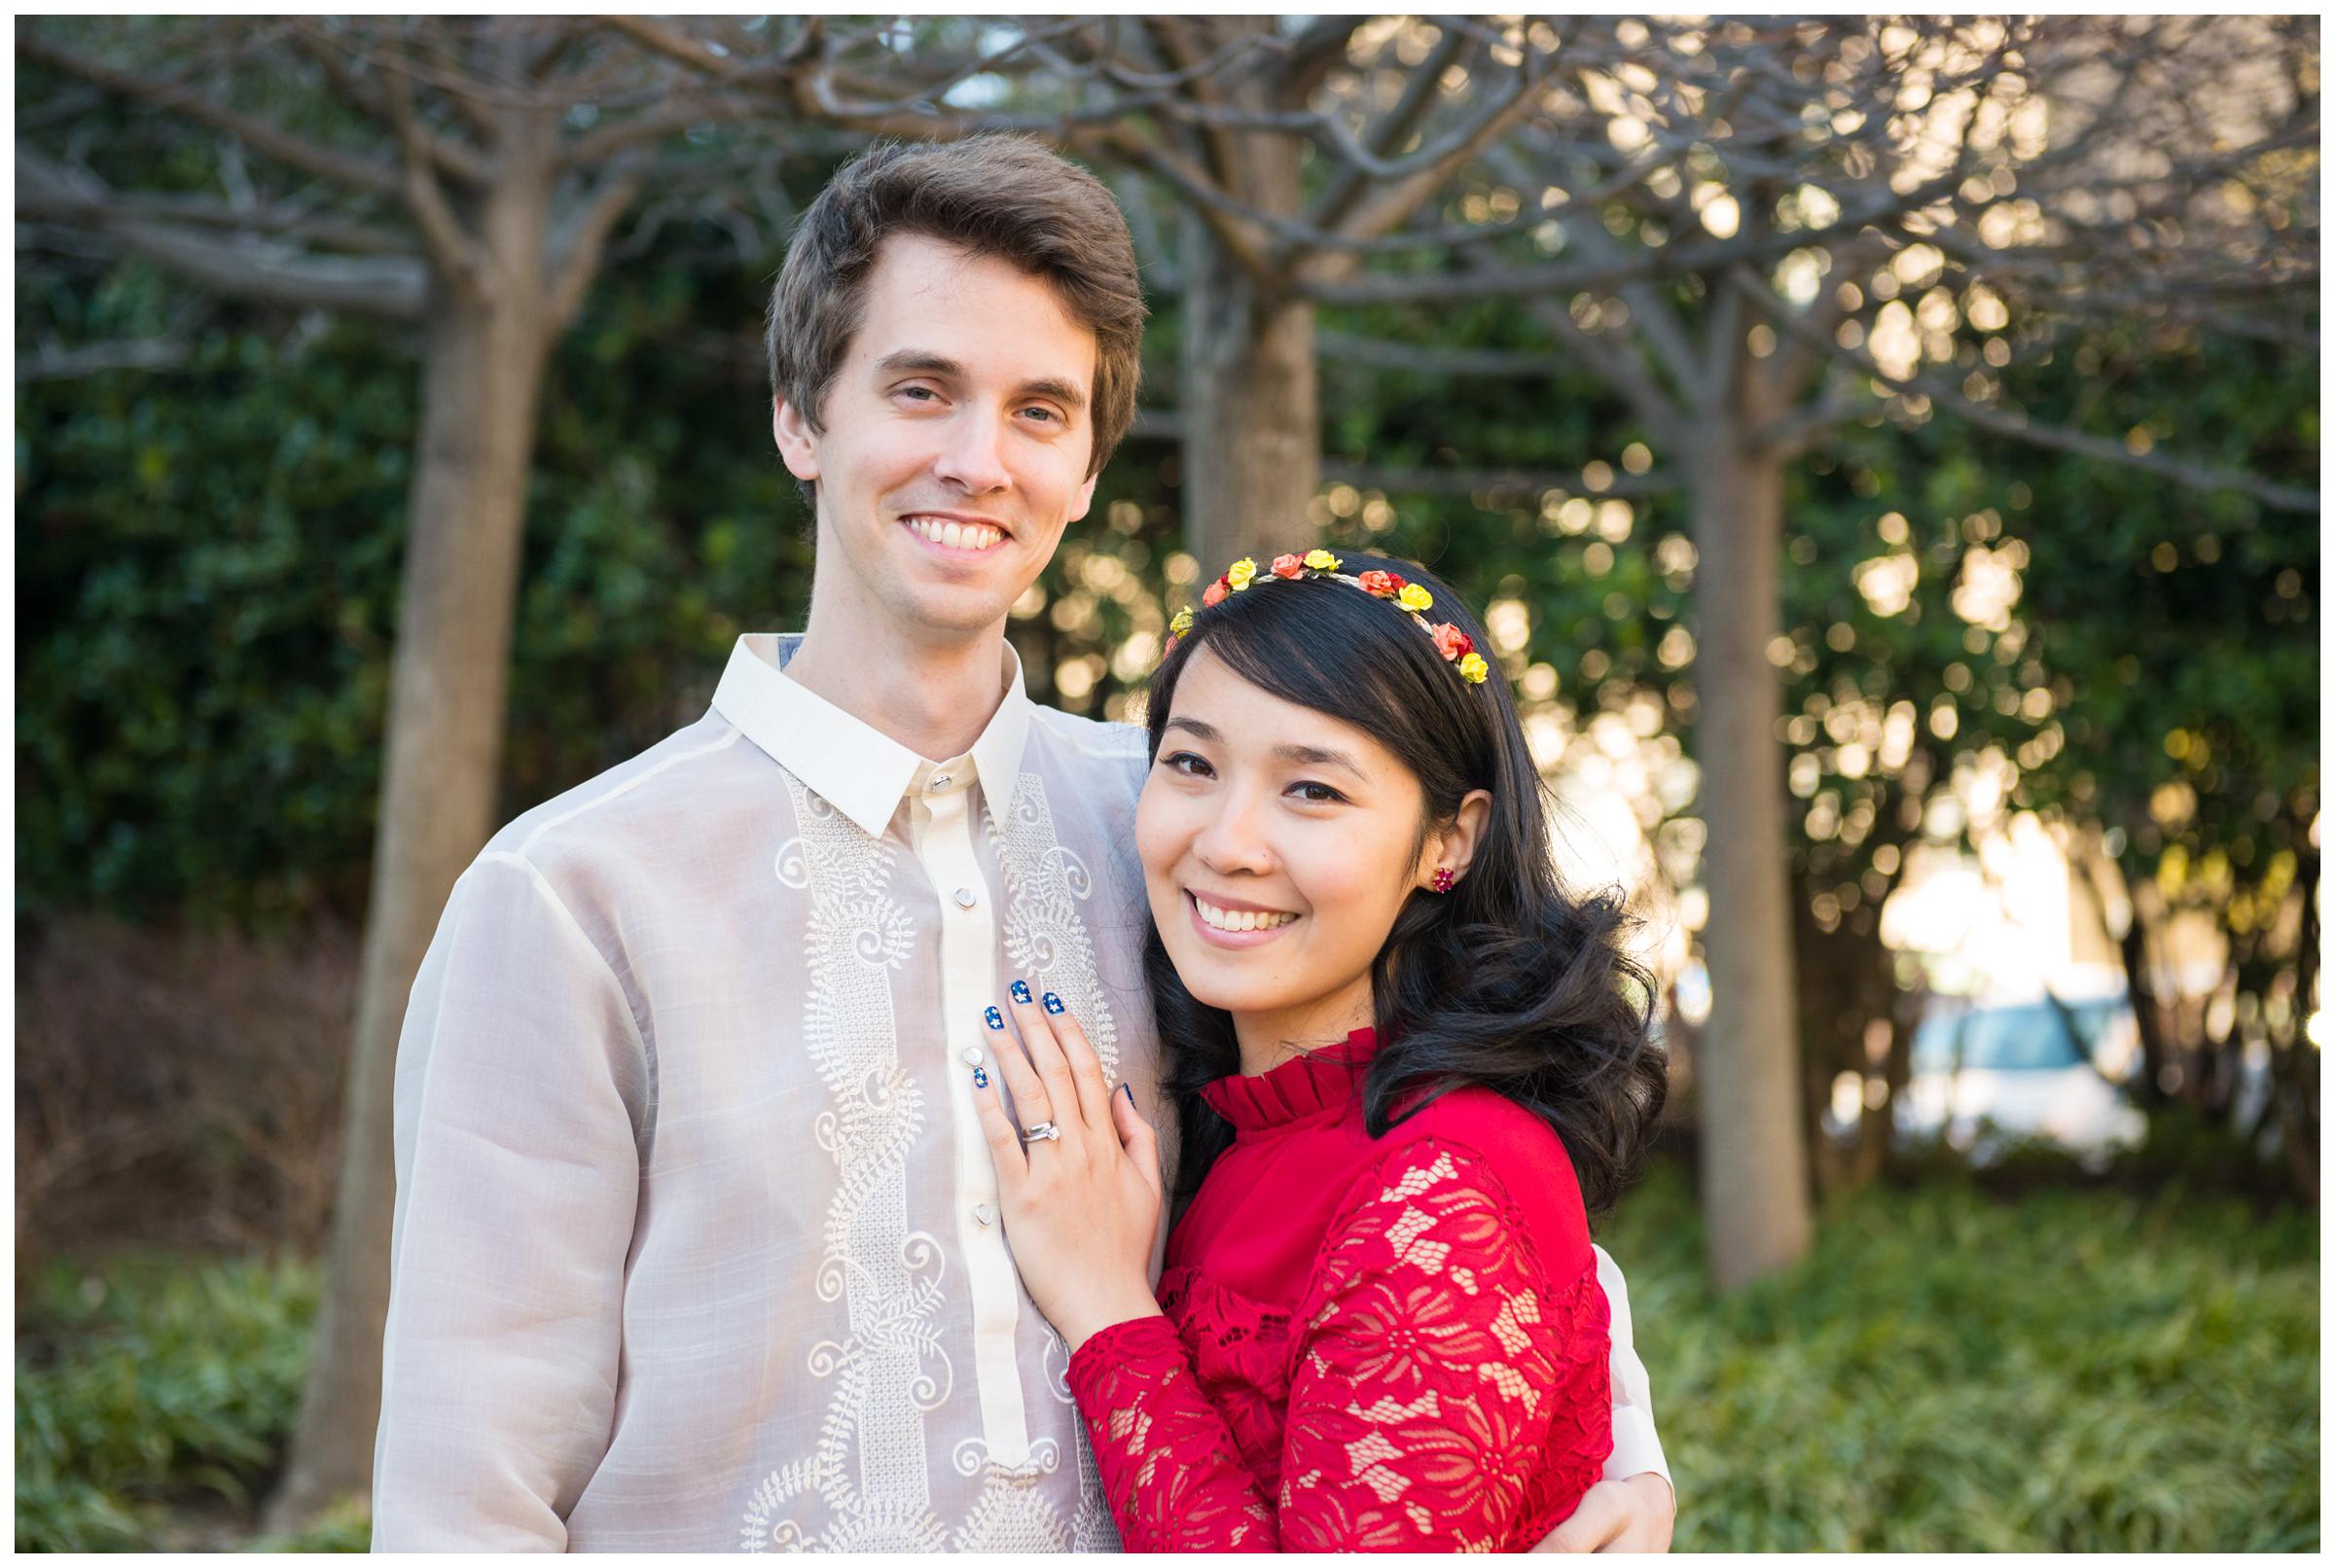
{"x": 846, "y": 762}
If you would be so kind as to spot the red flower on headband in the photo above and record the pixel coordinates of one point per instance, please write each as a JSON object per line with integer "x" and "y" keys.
{"x": 1218, "y": 592}
{"x": 1287, "y": 565}
{"x": 1385, "y": 585}
{"x": 1451, "y": 642}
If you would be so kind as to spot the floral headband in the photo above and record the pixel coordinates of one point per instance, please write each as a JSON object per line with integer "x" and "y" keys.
{"x": 1456, "y": 647}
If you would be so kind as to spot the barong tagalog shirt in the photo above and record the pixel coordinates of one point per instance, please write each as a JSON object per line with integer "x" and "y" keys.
{"x": 697, "y": 1241}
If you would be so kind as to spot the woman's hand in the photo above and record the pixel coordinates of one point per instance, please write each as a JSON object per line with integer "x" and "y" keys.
{"x": 1081, "y": 1210}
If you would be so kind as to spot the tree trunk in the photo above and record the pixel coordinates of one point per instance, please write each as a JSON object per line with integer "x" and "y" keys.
{"x": 483, "y": 371}
{"x": 1252, "y": 409}
{"x": 1755, "y": 1198}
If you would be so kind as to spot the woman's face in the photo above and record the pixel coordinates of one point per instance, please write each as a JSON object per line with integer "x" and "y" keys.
{"x": 1277, "y": 845}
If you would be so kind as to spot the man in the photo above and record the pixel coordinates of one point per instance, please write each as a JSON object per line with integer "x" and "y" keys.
{"x": 696, "y": 1240}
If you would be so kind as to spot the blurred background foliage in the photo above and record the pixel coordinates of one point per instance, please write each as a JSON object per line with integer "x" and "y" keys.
{"x": 2036, "y": 1356}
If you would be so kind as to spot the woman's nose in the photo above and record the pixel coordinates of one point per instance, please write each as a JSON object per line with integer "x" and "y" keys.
{"x": 1233, "y": 841}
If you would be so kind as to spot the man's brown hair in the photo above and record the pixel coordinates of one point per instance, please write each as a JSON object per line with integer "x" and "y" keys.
{"x": 1008, "y": 197}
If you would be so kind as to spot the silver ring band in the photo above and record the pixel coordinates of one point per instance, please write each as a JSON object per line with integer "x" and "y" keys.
{"x": 1041, "y": 1133}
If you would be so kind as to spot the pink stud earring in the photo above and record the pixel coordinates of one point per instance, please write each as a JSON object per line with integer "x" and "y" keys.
{"x": 1444, "y": 879}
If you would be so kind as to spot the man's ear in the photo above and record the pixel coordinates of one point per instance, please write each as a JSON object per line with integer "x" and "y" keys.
{"x": 798, "y": 442}
{"x": 1454, "y": 849}
{"x": 1086, "y": 499}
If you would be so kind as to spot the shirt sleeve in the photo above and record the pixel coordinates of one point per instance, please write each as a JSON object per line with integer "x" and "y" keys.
{"x": 1637, "y": 1446}
{"x": 1445, "y": 1387}
{"x": 523, "y": 1087}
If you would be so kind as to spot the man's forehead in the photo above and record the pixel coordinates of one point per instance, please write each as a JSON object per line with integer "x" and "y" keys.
{"x": 938, "y": 301}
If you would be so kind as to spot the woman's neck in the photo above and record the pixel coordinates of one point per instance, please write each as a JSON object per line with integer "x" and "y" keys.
{"x": 1273, "y": 1036}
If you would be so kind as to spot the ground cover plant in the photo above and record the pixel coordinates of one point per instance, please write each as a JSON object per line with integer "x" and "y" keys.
{"x": 1952, "y": 1370}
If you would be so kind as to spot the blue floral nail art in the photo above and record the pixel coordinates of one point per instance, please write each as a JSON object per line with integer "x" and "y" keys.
{"x": 994, "y": 1018}
{"x": 1021, "y": 991}
{"x": 981, "y": 1078}
{"x": 1053, "y": 1002}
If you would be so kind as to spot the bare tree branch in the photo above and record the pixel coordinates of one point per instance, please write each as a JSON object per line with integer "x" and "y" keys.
{"x": 364, "y": 173}
{"x": 580, "y": 259}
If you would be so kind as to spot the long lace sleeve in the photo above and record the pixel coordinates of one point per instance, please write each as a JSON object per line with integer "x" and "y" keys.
{"x": 1445, "y": 1389}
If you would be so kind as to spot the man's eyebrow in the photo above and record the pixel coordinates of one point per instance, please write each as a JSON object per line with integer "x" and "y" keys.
{"x": 920, "y": 362}
{"x": 925, "y": 362}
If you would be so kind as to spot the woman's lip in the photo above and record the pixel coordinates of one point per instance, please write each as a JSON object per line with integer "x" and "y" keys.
{"x": 1228, "y": 938}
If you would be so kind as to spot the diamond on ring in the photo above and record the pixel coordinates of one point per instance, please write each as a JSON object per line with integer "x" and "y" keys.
{"x": 1040, "y": 1133}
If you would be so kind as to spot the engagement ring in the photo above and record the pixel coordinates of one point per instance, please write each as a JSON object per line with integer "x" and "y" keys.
{"x": 1042, "y": 1131}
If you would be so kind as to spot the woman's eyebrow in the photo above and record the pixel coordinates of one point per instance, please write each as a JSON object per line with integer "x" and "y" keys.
{"x": 1320, "y": 757}
{"x": 1302, "y": 756}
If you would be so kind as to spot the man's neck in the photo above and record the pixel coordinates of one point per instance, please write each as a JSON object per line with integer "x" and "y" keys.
{"x": 933, "y": 698}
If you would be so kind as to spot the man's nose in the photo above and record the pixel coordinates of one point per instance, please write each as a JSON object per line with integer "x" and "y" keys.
{"x": 973, "y": 457}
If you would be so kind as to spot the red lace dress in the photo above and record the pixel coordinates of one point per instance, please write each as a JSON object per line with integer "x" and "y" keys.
{"x": 1385, "y": 1344}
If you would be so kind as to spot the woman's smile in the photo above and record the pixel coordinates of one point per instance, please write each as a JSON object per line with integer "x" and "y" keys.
{"x": 1235, "y": 924}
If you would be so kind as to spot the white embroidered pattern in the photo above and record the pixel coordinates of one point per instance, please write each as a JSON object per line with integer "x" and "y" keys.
{"x": 891, "y": 1372}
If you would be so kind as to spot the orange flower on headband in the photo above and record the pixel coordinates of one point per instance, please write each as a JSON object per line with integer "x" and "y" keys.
{"x": 1381, "y": 585}
{"x": 1288, "y": 566}
{"x": 1449, "y": 641}
{"x": 1217, "y": 594}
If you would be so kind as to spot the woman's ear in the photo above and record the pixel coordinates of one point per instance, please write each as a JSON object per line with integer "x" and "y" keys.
{"x": 1452, "y": 847}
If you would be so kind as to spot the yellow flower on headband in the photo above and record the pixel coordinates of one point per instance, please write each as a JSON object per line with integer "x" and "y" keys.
{"x": 1241, "y": 571}
{"x": 1414, "y": 598}
{"x": 1182, "y": 623}
{"x": 1473, "y": 668}
{"x": 1321, "y": 560}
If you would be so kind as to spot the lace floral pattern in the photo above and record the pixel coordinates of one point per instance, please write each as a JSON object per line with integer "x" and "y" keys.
{"x": 1437, "y": 1387}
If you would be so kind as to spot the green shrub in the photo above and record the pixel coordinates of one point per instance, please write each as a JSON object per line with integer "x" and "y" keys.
{"x": 2069, "y": 1371}
{"x": 158, "y": 1380}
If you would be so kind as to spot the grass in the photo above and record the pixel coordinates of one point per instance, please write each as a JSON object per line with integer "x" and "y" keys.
{"x": 1950, "y": 1370}
{"x": 2067, "y": 1370}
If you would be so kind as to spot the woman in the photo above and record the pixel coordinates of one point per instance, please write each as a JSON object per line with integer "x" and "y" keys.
{"x": 1407, "y": 1068}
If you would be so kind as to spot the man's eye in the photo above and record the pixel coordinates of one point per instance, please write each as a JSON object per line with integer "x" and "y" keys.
{"x": 918, "y": 392}
{"x": 1047, "y": 414}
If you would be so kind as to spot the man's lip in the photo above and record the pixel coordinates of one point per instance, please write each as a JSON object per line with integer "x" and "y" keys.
{"x": 1222, "y": 903}
{"x": 967, "y": 517}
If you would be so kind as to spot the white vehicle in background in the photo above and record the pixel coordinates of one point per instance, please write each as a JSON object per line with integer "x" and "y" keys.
{"x": 1987, "y": 1076}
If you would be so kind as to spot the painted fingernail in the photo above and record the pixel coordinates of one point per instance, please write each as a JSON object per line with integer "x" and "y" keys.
{"x": 981, "y": 1078}
{"x": 1053, "y": 1002}
{"x": 1021, "y": 991}
{"x": 1130, "y": 1093}
{"x": 994, "y": 1018}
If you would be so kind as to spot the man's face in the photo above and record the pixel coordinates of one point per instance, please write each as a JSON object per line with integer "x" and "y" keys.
{"x": 957, "y": 434}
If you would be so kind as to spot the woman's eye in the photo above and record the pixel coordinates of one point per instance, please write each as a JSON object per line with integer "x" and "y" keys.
{"x": 1184, "y": 763}
{"x": 1317, "y": 793}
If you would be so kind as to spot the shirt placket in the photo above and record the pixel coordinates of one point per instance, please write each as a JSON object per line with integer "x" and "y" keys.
{"x": 943, "y": 825}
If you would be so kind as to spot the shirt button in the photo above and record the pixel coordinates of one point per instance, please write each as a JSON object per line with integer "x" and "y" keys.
{"x": 972, "y": 1055}
{"x": 966, "y": 898}
{"x": 986, "y": 1213}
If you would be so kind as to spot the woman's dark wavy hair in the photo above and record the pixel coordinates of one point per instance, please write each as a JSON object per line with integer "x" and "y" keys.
{"x": 1507, "y": 981}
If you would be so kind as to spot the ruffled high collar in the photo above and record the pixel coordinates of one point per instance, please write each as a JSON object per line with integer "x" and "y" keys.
{"x": 1319, "y": 1080}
